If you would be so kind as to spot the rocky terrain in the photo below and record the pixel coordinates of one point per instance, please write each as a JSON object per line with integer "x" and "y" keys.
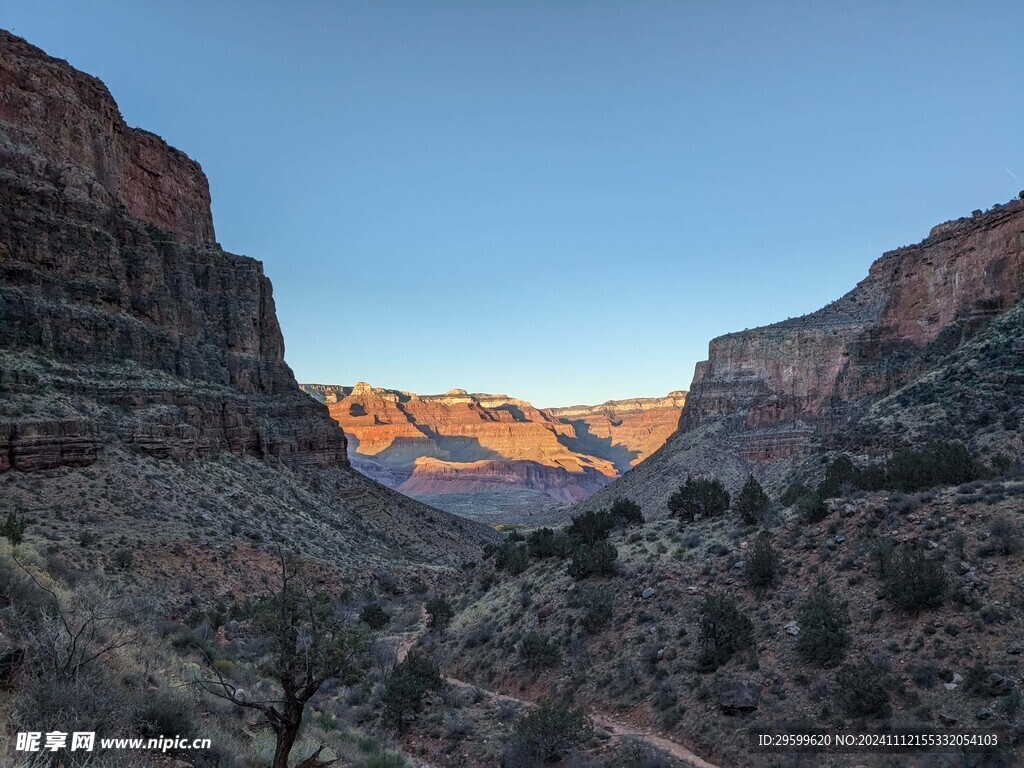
{"x": 477, "y": 447}
{"x": 770, "y": 401}
{"x": 139, "y": 361}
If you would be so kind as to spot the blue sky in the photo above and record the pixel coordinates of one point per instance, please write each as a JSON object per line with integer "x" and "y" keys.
{"x": 563, "y": 201}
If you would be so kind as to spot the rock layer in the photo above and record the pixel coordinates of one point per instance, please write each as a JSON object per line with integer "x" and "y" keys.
{"x": 463, "y": 443}
{"x": 115, "y": 300}
{"x": 770, "y": 398}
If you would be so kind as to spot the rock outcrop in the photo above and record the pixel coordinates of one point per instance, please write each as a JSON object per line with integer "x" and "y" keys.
{"x": 144, "y": 389}
{"x": 112, "y": 290}
{"x": 465, "y": 443}
{"x": 770, "y": 398}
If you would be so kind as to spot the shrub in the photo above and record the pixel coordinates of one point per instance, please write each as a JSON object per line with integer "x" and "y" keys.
{"x": 14, "y": 527}
{"x": 626, "y": 512}
{"x": 752, "y": 502}
{"x": 551, "y": 730}
{"x": 374, "y": 616}
{"x": 407, "y": 686}
{"x": 762, "y": 563}
{"x": 538, "y": 651}
{"x": 841, "y": 472}
{"x": 1003, "y": 539}
{"x": 439, "y": 613}
{"x": 597, "y": 559}
{"x": 913, "y": 581}
{"x": 823, "y": 621}
{"x": 811, "y": 509}
{"x": 546, "y": 542}
{"x": 699, "y": 498}
{"x": 513, "y": 557}
{"x": 937, "y": 463}
{"x": 597, "y": 604}
{"x": 164, "y": 714}
{"x": 863, "y": 690}
{"x": 724, "y": 630}
{"x": 793, "y": 493}
{"x": 123, "y": 559}
{"x": 590, "y": 527}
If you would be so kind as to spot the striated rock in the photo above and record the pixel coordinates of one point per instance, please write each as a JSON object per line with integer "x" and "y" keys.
{"x": 740, "y": 696}
{"x": 464, "y": 443}
{"x": 769, "y": 398}
{"x": 112, "y": 292}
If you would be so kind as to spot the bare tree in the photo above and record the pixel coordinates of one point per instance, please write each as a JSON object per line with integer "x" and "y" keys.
{"x": 310, "y": 644}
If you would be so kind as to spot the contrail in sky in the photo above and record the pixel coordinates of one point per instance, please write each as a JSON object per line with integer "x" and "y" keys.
{"x": 1011, "y": 173}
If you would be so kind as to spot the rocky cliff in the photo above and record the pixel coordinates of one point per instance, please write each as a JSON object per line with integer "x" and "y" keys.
{"x": 459, "y": 443}
{"x": 126, "y": 333}
{"x": 770, "y": 399}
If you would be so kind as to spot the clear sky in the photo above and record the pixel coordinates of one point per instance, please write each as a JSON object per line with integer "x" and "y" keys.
{"x": 563, "y": 201}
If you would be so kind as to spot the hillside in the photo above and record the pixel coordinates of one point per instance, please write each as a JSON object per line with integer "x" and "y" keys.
{"x": 494, "y": 457}
{"x": 146, "y": 396}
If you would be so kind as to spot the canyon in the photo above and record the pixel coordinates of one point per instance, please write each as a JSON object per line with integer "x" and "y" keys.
{"x": 772, "y": 401}
{"x": 475, "y": 446}
{"x": 142, "y": 366}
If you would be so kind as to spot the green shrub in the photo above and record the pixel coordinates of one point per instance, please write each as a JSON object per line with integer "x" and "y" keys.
{"x": 590, "y": 527}
{"x": 123, "y": 559}
{"x": 793, "y": 493}
{"x": 864, "y": 690}
{"x": 513, "y": 557}
{"x": 811, "y": 509}
{"x": 914, "y": 581}
{"x": 626, "y": 512}
{"x": 752, "y": 502}
{"x": 938, "y": 463}
{"x": 538, "y": 651}
{"x": 14, "y": 527}
{"x": 762, "y": 564}
{"x": 597, "y": 606}
{"x": 374, "y": 616}
{"x": 823, "y": 620}
{"x": 597, "y": 559}
{"x": 164, "y": 713}
{"x": 842, "y": 472}
{"x": 699, "y": 498}
{"x": 545, "y": 542}
{"x": 550, "y": 731}
{"x": 439, "y": 613}
{"x": 408, "y": 685}
{"x": 724, "y": 630}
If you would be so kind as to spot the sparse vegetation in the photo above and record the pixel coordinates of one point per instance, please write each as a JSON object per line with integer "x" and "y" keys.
{"x": 724, "y": 631}
{"x": 597, "y": 559}
{"x": 913, "y": 581}
{"x": 823, "y": 622}
{"x": 752, "y": 502}
{"x": 762, "y": 565}
{"x": 864, "y": 689}
{"x": 439, "y": 613}
{"x": 699, "y": 498}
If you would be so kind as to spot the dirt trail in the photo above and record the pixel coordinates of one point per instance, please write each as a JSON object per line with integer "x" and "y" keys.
{"x": 618, "y": 730}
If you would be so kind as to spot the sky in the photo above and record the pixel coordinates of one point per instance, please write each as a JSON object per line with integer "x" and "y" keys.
{"x": 561, "y": 201}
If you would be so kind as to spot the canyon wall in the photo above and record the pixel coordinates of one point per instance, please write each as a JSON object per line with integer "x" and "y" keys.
{"x": 116, "y": 301}
{"x": 459, "y": 442}
{"x": 768, "y": 399}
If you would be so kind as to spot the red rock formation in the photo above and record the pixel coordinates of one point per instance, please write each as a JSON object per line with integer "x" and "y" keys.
{"x": 117, "y": 309}
{"x": 767, "y": 396}
{"x": 462, "y": 443}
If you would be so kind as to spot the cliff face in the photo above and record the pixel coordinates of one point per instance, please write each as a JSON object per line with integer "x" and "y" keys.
{"x": 112, "y": 290}
{"x": 459, "y": 443}
{"x": 768, "y": 398}
{"x": 129, "y": 337}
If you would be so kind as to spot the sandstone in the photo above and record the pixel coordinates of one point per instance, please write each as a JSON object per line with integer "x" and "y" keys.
{"x": 461, "y": 442}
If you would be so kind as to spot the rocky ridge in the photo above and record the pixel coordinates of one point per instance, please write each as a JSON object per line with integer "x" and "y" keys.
{"x": 459, "y": 442}
{"x": 771, "y": 400}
